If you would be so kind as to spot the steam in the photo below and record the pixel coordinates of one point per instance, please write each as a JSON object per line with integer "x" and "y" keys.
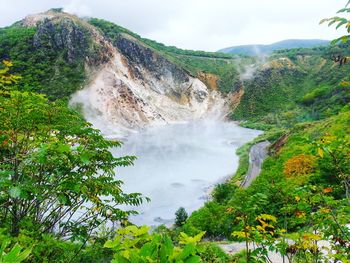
{"x": 178, "y": 164}
{"x": 183, "y": 147}
{"x": 248, "y": 71}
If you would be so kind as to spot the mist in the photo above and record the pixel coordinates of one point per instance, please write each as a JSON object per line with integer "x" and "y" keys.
{"x": 247, "y": 72}
{"x": 179, "y": 164}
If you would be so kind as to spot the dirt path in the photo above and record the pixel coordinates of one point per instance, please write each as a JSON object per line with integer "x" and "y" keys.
{"x": 258, "y": 153}
{"x": 233, "y": 248}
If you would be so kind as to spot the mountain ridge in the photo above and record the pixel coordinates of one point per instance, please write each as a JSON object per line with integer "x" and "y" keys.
{"x": 258, "y": 49}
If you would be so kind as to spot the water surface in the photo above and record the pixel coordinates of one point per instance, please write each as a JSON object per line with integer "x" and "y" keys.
{"x": 178, "y": 164}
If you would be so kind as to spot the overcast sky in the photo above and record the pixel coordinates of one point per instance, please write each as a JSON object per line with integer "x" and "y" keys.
{"x": 198, "y": 24}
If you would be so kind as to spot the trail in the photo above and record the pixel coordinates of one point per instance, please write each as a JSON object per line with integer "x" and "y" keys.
{"x": 257, "y": 155}
{"x": 233, "y": 248}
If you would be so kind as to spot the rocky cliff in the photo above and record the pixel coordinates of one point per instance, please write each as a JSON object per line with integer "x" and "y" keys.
{"x": 130, "y": 85}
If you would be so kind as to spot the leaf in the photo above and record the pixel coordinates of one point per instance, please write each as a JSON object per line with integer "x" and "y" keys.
{"x": 85, "y": 158}
{"x": 15, "y": 192}
{"x": 240, "y": 234}
{"x": 185, "y": 239}
{"x": 194, "y": 259}
{"x": 311, "y": 236}
{"x": 15, "y": 255}
{"x": 341, "y": 23}
{"x": 166, "y": 249}
{"x": 268, "y": 217}
{"x": 328, "y": 190}
{"x": 323, "y": 20}
{"x": 111, "y": 243}
{"x": 320, "y": 152}
{"x": 332, "y": 22}
{"x": 148, "y": 249}
{"x": 63, "y": 199}
{"x": 7, "y": 63}
{"x": 343, "y": 10}
{"x": 188, "y": 250}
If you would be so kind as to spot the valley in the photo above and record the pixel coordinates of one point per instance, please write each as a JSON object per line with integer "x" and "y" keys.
{"x": 105, "y": 135}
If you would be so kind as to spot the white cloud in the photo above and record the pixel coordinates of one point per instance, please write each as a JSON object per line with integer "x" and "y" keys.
{"x": 198, "y": 24}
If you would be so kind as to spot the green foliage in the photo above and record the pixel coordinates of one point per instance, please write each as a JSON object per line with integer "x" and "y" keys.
{"x": 52, "y": 164}
{"x": 214, "y": 218}
{"x": 14, "y": 255}
{"x": 180, "y": 216}
{"x": 340, "y": 22}
{"x": 112, "y": 31}
{"x": 223, "y": 192}
{"x": 297, "y": 86}
{"x": 49, "y": 248}
{"x": 135, "y": 244}
{"x": 43, "y": 69}
{"x": 274, "y": 193}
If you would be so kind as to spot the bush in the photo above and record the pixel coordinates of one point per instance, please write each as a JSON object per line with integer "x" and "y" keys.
{"x": 223, "y": 192}
{"x": 180, "y": 216}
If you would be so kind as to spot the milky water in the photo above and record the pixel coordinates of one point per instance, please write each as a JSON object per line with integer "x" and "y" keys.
{"x": 178, "y": 165}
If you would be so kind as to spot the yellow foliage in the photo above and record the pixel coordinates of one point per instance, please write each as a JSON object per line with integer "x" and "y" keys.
{"x": 240, "y": 234}
{"x": 328, "y": 138}
{"x": 345, "y": 83}
{"x": 7, "y": 63}
{"x": 267, "y": 217}
{"x": 6, "y": 78}
{"x": 299, "y": 165}
{"x": 299, "y": 214}
{"x": 320, "y": 152}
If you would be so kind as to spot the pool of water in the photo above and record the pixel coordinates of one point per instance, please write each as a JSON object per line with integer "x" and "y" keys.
{"x": 178, "y": 165}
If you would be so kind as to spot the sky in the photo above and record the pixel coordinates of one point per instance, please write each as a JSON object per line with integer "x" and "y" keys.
{"x": 198, "y": 24}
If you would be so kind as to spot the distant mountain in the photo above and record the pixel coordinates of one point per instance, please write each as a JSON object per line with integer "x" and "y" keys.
{"x": 267, "y": 49}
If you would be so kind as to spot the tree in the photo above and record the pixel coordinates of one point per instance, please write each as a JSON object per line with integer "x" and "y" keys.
{"x": 180, "y": 216}
{"x": 340, "y": 21}
{"x": 57, "y": 174}
{"x": 6, "y": 78}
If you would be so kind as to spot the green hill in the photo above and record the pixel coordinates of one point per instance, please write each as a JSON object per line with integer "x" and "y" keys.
{"x": 254, "y": 50}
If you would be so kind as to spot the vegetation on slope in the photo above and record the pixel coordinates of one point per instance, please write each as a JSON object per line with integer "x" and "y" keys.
{"x": 43, "y": 69}
{"x": 302, "y": 194}
{"x": 303, "y": 185}
{"x": 52, "y": 163}
{"x": 305, "y": 85}
{"x": 223, "y": 66}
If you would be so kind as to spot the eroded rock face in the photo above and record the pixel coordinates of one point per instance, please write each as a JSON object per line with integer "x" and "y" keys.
{"x": 131, "y": 85}
{"x": 74, "y": 37}
{"x": 118, "y": 99}
{"x": 65, "y": 35}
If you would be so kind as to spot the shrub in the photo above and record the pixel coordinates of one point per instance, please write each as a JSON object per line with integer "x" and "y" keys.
{"x": 180, "y": 216}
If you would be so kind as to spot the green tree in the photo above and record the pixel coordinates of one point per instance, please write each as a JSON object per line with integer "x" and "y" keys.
{"x": 180, "y": 216}
{"x": 57, "y": 174}
{"x": 339, "y": 22}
